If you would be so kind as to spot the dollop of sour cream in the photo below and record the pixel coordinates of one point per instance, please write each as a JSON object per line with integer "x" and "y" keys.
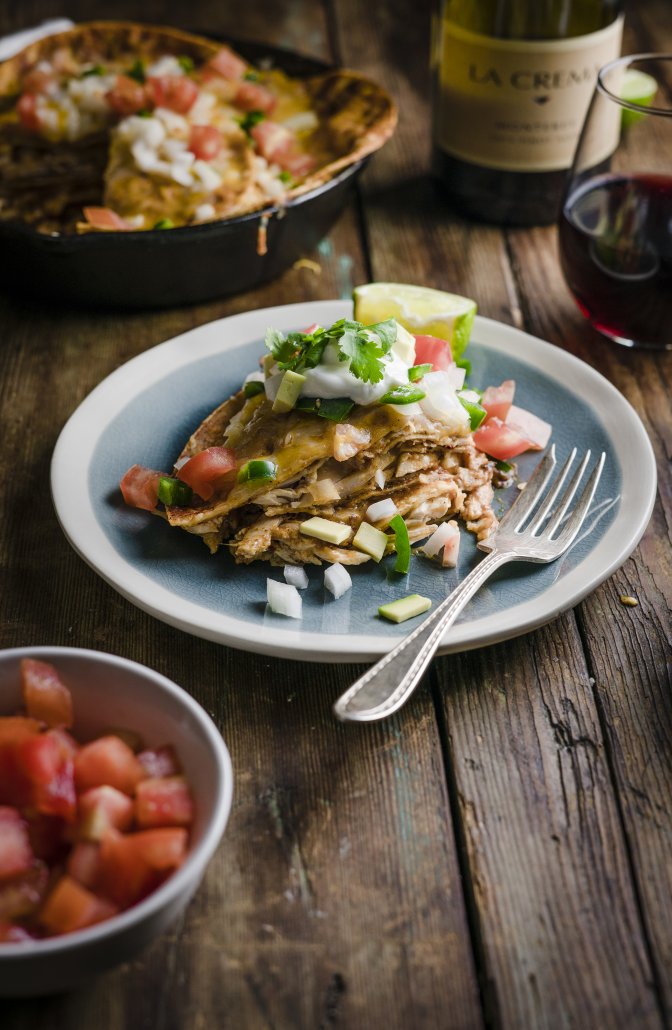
{"x": 333, "y": 378}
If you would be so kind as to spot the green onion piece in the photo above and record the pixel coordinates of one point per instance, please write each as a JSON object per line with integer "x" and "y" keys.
{"x": 475, "y": 412}
{"x": 334, "y": 408}
{"x": 174, "y": 491}
{"x": 256, "y": 470}
{"x": 285, "y": 176}
{"x": 164, "y": 223}
{"x": 251, "y": 119}
{"x": 465, "y": 364}
{"x": 403, "y": 395}
{"x": 137, "y": 71}
{"x": 186, "y": 63}
{"x": 252, "y": 388}
{"x": 504, "y": 466}
{"x": 96, "y": 69}
{"x": 418, "y": 371}
{"x": 402, "y": 544}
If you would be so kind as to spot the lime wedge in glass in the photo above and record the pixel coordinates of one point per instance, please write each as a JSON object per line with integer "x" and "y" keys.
{"x": 637, "y": 88}
{"x": 419, "y": 309}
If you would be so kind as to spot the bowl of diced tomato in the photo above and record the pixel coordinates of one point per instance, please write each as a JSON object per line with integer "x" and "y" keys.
{"x": 115, "y": 789}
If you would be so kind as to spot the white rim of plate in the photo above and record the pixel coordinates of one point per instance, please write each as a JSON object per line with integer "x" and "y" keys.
{"x": 79, "y": 438}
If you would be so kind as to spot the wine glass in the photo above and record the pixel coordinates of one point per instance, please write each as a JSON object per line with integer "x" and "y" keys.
{"x": 615, "y": 228}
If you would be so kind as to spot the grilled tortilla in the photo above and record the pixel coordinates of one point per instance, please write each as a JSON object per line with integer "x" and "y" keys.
{"x": 334, "y": 470}
{"x": 64, "y": 148}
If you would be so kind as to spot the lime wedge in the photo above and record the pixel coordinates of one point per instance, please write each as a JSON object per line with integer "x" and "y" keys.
{"x": 418, "y": 309}
{"x": 637, "y": 88}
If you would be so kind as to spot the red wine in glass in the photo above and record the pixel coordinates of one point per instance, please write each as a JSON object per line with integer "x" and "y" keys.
{"x": 616, "y": 253}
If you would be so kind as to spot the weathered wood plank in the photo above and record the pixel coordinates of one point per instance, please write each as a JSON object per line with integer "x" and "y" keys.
{"x": 552, "y": 885}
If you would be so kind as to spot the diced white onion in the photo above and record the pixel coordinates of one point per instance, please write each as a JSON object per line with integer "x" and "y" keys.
{"x": 323, "y": 490}
{"x": 296, "y": 576}
{"x": 181, "y": 462}
{"x": 379, "y": 478}
{"x": 451, "y": 549}
{"x": 283, "y": 599}
{"x": 254, "y": 377}
{"x": 456, "y": 376}
{"x": 207, "y": 174}
{"x": 272, "y": 385}
{"x": 382, "y": 510}
{"x": 337, "y": 579}
{"x": 302, "y": 121}
{"x": 439, "y": 538}
{"x": 471, "y": 396}
{"x": 165, "y": 65}
{"x": 409, "y": 410}
{"x": 203, "y": 213}
{"x": 441, "y": 402}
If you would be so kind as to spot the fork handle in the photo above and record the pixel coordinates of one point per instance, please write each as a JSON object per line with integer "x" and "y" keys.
{"x": 388, "y": 684}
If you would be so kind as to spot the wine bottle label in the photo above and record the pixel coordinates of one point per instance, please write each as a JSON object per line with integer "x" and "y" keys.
{"x": 518, "y": 105}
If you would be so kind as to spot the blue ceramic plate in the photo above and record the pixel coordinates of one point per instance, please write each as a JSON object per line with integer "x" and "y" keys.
{"x": 146, "y": 409}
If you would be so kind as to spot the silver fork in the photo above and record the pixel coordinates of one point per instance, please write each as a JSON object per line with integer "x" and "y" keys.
{"x": 523, "y": 535}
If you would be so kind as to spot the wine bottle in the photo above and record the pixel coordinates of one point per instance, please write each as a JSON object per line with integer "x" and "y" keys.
{"x": 512, "y": 80}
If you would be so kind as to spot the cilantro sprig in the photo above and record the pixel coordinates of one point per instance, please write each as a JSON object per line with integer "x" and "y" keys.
{"x": 363, "y": 346}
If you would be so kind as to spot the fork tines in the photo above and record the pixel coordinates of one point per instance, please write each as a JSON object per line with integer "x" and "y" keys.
{"x": 553, "y": 511}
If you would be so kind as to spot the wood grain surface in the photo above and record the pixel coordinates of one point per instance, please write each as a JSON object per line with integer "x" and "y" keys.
{"x": 498, "y": 853}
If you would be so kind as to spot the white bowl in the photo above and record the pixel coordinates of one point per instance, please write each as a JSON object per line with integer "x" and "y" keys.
{"x": 111, "y": 691}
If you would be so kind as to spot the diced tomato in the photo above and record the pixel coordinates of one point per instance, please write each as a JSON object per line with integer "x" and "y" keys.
{"x": 140, "y": 487}
{"x": 163, "y": 801}
{"x": 430, "y": 350}
{"x": 21, "y": 896}
{"x": 26, "y": 109}
{"x": 37, "y": 81}
{"x": 162, "y": 848}
{"x": 280, "y": 146}
{"x": 206, "y": 472}
{"x": 126, "y": 96}
{"x": 11, "y": 934}
{"x": 15, "y": 787}
{"x": 176, "y": 92}
{"x": 498, "y": 399}
{"x": 101, "y": 808}
{"x": 227, "y": 64}
{"x": 66, "y": 741}
{"x": 124, "y": 874}
{"x": 250, "y": 96}
{"x": 105, "y": 219}
{"x": 161, "y": 762}
{"x": 534, "y": 429}
{"x": 44, "y": 694}
{"x": 16, "y": 854}
{"x": 49, "y": 835}
{"x": 110, "y": 761}
{"x": 50, "y": 771}
{"x": 70, "y": 906}
{"x": 84, "y": 863}
{"x": 500, "y": 440}
{"x": 205, "y": 141}
{"x": 134, "y": 740}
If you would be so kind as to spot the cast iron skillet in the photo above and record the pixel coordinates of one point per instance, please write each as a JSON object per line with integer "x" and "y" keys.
{"x": 172, "y": 267}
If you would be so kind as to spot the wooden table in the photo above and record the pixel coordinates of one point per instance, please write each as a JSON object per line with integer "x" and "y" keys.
{"x": 498, "y": 853}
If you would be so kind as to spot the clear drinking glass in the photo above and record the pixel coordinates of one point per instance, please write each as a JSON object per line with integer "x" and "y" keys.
{"x": 616, "y": 215}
